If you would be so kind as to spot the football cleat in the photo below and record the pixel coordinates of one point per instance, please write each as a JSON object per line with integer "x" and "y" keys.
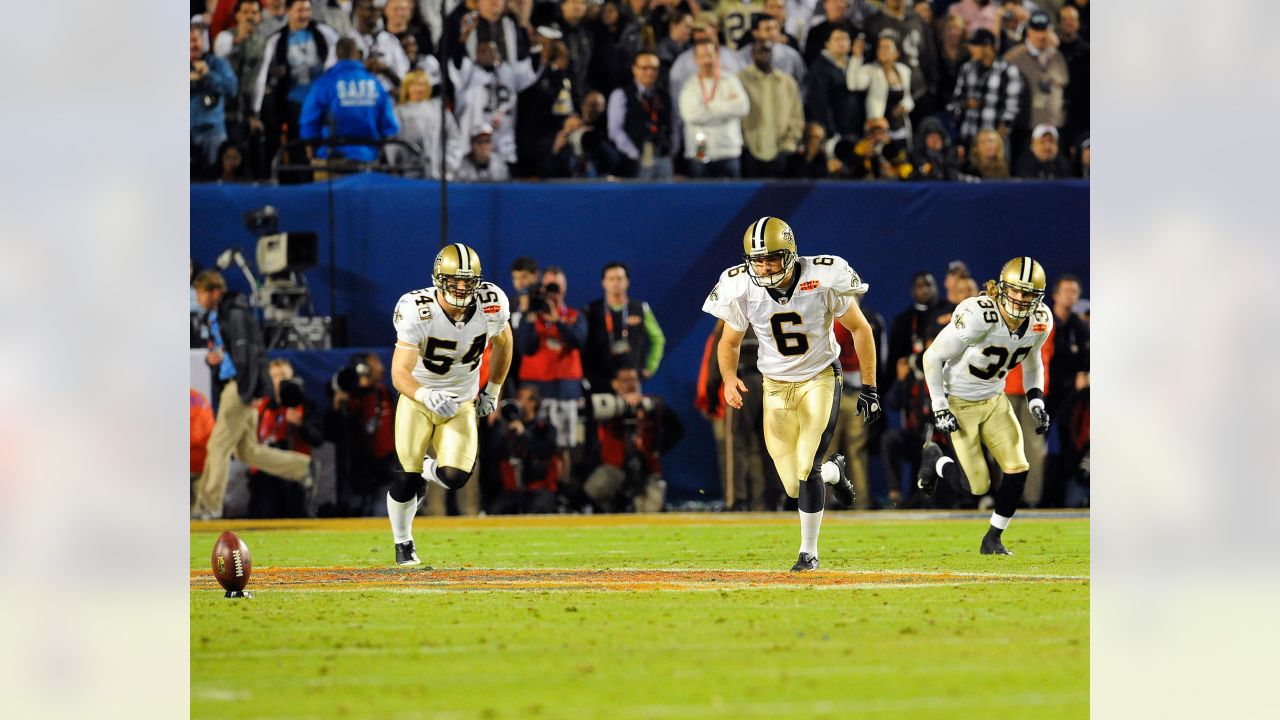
{"x": 927, "y": 478}
{"x": 991, "y": 544}
{"x": 406, "y": 554}
{"x": 806, "y": 562}
{"x": 842, "y": 490}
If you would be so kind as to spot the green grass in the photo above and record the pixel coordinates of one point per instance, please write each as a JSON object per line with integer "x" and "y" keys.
{"x": 985, "y": 649}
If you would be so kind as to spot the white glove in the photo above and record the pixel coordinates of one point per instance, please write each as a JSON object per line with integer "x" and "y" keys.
{"x": 488, "y": 400}
{"x": 439, "y": 402}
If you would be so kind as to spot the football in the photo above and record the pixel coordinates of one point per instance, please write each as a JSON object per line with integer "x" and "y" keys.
{"x": 231, "y": 562}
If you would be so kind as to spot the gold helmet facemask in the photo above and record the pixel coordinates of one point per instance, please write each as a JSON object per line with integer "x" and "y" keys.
{"x": 457, "y": 274}
{"x": 769, "y": 238}
{"x": 1026, "y": 275}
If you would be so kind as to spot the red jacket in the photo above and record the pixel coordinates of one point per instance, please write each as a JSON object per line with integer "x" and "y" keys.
{"x": 201, "y": 428}
{"x": 555, "y": 359}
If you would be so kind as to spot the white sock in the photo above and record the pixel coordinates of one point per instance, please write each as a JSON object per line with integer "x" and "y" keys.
{"x": 830, "y": 473}
{"x": 429, "y": 473}
{"x": 999, "y": 522}
{"x": 401, "y": 514}
{"x": 942, "y": 463}
{"x": 809, "y": 526}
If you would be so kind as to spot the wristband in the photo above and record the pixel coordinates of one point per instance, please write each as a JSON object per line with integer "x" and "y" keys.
{"x": 421, "y": 395}
{"x": 493, "y": 389}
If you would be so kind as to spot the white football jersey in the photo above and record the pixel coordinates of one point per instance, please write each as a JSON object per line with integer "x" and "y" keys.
{"x": 795, "y": 331}
{"x": 993, "y": 350}
{"x": 450, "y": 351}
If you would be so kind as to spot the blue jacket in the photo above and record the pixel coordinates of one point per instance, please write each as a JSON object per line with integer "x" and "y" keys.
{"x": 221, "y": 82}
{"x": 348, "y": 101}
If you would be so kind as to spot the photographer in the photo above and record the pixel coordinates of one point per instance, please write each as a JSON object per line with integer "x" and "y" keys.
{"x": 530, "y": 466}
{"x": 634, "y": 430}
{"x": 211, "y": 83}
{"x": 287, "y": 421}
{"x": 361, "y": 424}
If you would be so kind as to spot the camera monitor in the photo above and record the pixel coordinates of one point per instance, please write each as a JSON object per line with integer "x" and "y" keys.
{"x": 287, "y": 252}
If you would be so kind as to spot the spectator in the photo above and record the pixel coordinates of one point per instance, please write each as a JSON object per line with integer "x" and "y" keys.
{"x": 985, "y": 159}
{"x": 633, "y": 434}
{"x": 953, "y": 53}
{"x": 814, "y": 163}
{"x": 544, "y": 107}
{"x": 1070, "y": 343}
{"x": 827, "y": 97}
{"x": 418, "y": 61}
{"x": 481, "y": 165}
{"x": 987, "y": 91}
{"x": 348, "y": 102}
{"x": 887, "y": 83}
{"x": 685, "y": 66}
{"x": 237, "y": 362}
{"x": 336, "y": 14}
{"x": 622, "y": 332}
{"x": 419, "y": 118}
{"x": 620, "y": 34}
{"x": 1013, "y": 25}
{"x": 436, "y": 14}
{"x": 901, "y": 446}
{"x": 784, "y": 58}
{"x": 579, "y": 39}
{"x": 977, "y": 15}
{"x": 1075, "y": 50}
{"x": 242, "y": 47}
{"x": 230, "y": 165}
{"x": 384, "y": 57}
{"x": 212, "y": 84}
{"x": 1045, "y": 75}
{"x": 712, "y": 105}
{"x": 295, "y": 56}
{"x": 487, "y": 89}
{"x": 914, "y": 45}
{"x": 361, "y": 424}
{"x": 933, "y": 156}
{"x": 201, "y": 428}
{"x": 777, "y": 9}
{"x": 582, "y": 145}
{"x": 286, "y": 420}
{"x": 530, "y": 466}
{"x": 400, "y": 17}
{"x": 918, "y": 320}
{"x": 275, "y": 15}
{"x": 673, "y": 44}
{"x": 549, "y": 340}
{"x": 1043, "y": 162}
{"x": 876, "y": 156}
{"x": 774, "y": 123}
{"x": 852, "y": 435}
{"x": 640, "y": 123}
{"x": 835, "y": 15}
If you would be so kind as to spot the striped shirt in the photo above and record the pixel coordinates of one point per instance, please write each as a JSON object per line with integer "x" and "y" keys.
{"x": 996, "y": 88}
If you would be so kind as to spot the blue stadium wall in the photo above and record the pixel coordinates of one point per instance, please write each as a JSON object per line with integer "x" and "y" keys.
{"x": 676, "y": 238}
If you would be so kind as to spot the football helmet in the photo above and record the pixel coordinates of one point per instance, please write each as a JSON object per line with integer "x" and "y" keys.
{"x": 766, "y": 239}
{"x": 457, "y": 274}
{"x": 1025, "y": 275}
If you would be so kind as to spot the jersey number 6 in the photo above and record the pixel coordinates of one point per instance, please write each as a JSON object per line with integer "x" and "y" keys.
{"x": 788, "y": 343}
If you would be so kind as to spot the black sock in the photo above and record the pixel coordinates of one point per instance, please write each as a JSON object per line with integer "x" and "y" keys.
{"x": 1009, "y": 494}
{"x": 953, "y": 472}
{"x": 813, "y": 494}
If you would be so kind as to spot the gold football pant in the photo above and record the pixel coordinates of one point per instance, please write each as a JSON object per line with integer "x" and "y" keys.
{"x": 992, "y": 423}
{"x": 453, "y": 442}
{"x": 236, "y": 430}
{"x": 799, "y": 420}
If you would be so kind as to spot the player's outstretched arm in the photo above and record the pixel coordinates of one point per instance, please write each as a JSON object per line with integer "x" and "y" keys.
{"x": 500, "y": 359}
{"x": 727, "y": 352}
{"x": 864, "y": 343}
{"x": 946, "y": 347}
{"x": 403, "y": 361}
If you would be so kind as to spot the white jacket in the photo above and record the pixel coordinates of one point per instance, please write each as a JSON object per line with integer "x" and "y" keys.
{"x": 719, "y": 118}
{"x": 871, "y": 78}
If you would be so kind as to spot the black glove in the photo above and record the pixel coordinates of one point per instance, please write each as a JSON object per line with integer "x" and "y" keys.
{"x": 1042, "y": 418}
{"x": 869, "y": 404}
{"x": 944, "y": 421}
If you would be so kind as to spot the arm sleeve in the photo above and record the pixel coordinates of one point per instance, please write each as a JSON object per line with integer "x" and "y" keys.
{"x": 1033, "y": 366}
{"x": 223, "y": 44}
{"x": 845, "y": 286}
{"x": 857, "y": 75}
{"x": 496, "y": 319}
{"x": 947, "y": 347}
{"x": 527, "y": 336}
{"x": 406, "y": 321}
{"x": 574, "y": 334}
{"x": 725, "y": 304}
{"x": 617, "y": 115}
{"x": 657, "y": 340}
{"x": 224, "y": 81}
{"x": 1013, "y": 92}
{"x": 312, "y": 111}
{"x": 388, "y": 124}
{"x": 731, "y": 101}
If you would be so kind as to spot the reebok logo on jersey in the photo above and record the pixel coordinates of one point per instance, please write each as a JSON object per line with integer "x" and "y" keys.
{"x": 1040, "y": 327}
{"x": 809, "y": 285}
{"x": 491, "y": 309}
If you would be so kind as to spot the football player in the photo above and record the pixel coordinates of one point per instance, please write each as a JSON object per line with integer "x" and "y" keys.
{"x": 441, "y": 334}
{"x": 988, "y": 336}
{"x": 791, "y": 303}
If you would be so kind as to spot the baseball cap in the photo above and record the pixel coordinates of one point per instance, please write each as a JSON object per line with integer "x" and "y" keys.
{"x": 982, "y": 36}
{"x": 485, "y": 129}
{"x": 549, "y": 32}
{"x": 1039, "y": 20}
{"x": 1044, "y": 129}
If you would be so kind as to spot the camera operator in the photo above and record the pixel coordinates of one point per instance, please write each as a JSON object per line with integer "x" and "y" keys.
{"x": 634, "y": 429}
{"x": 287, "y": 421}
{"x": 211, "y": 83}
{"x": 530, "y": 466}
{"x": 361, "y": 424}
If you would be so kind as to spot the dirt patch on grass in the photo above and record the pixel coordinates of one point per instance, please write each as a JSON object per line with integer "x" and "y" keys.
{"x": 338, "y": 578}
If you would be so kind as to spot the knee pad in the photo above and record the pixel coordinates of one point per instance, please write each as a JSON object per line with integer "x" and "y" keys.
{"x": 406, "y": 486}
{"x": 453, "y": 478}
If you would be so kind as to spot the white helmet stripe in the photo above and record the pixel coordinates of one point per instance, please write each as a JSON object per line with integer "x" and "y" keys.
{"x": 757, "y": 233}
{"x": 464, "y": 258}
{"x": 1025, "y": 275}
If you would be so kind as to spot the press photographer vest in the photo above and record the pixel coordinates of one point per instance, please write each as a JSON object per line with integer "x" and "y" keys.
{"x": 549, "y": 363}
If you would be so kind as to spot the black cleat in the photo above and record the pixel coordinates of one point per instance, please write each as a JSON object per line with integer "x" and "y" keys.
{"x": 991, "y": 544}
{"x": 842, "y": 490}
{"x": 406, "y": 554}
{"x": 806, "y": 562}
{"x": 927, "y": 479}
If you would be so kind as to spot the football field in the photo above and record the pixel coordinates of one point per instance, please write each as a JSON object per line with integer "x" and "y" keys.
{"x": 646, "y": 616}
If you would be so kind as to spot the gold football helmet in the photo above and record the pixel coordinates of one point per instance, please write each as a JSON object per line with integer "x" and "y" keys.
{"x": 457, "y": 274}
{"x": 769, "y": 238}
{"x": 1026, "y": 276}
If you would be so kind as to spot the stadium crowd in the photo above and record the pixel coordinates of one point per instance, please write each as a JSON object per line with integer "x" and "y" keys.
{"x": 962, "y": 90}
{"x": 575, "y": 431}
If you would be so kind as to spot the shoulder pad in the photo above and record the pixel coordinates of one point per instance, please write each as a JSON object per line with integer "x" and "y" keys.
{"x": 974, "y": 317}
{"x": 733, "y": 283}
